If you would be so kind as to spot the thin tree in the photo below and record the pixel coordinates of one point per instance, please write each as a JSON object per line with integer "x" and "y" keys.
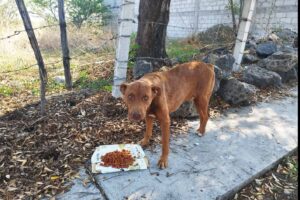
{"x": 233, "y": 16}
{"x": 38, "y": 56}
{"x": 153, "y": 20}
{"x": 64, "y": 44}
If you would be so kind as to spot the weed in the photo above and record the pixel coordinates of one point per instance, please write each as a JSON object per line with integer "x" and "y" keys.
{"x": 54, "y": 86}
{"x": 292, "y": 166}
{"x": 6, "y": 90}
{"x": 84, "y": 81}
{"x": 181, "y": 52}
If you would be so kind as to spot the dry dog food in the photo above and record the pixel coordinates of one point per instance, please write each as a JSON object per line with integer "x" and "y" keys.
{"x": 117, "y": 159}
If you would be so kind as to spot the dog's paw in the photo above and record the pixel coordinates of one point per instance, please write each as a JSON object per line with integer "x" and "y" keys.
{"x": 143, "y": 142}
{"x": 200, "y": 133}
{"x": 162, "y": 163}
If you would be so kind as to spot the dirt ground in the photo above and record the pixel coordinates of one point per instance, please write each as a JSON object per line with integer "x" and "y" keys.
{"x": 39, "y": 155}
{"x": 280, "y": 183}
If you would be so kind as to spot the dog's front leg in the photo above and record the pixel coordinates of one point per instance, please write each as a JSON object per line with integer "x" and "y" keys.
{"x": 148, "y": 133}
{"x": 164, "y": 121}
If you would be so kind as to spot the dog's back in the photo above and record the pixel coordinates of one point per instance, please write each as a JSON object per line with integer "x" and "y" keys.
{"x": 185, "y": 82}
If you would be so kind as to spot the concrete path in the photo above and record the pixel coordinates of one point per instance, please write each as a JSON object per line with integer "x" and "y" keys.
{"x": 237, "y": 147}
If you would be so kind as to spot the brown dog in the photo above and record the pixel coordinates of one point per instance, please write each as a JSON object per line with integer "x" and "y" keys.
{"x": 160, "y": 93}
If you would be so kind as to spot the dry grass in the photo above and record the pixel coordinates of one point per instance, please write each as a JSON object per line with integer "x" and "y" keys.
{"x": 90, "y": 47}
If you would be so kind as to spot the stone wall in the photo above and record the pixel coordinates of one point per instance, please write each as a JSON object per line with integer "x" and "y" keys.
{"x": 192, "y": 16}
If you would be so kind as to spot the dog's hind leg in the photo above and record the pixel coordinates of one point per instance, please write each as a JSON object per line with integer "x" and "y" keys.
{"x": 201, "y": 104}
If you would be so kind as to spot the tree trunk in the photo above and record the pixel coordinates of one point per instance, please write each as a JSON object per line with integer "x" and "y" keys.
{"x": 233, "y": 16}
{"x": 240, "y": 12}
{"x": 36, "y": 50}
{"x": 64, "y": 44}
{"x": 152, "y": 29}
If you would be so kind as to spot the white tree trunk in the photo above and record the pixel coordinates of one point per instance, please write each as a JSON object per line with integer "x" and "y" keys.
{"x": 248, "y": 10}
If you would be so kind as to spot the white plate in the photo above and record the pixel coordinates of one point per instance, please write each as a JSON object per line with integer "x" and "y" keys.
{"x": 141, "y": 162}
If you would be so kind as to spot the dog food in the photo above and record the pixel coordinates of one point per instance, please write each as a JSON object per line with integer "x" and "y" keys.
{"x": 117, "y": 159}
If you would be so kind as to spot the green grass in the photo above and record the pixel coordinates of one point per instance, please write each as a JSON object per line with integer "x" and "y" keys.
{"x": 54, "y": 86}
{"x": 6, "y": 90}
{"x": 182, "y": 52}
{"x": 176, "y": 49}
{"x": 84, "y": 81}
{"x": 292, "y": 166}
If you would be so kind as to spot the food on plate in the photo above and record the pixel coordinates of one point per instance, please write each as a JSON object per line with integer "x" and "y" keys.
{"x": 117, "y": 159}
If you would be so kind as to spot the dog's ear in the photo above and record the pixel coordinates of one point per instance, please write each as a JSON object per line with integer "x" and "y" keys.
{"x": 123, "y": 87}
{"x": 156, "y": 90}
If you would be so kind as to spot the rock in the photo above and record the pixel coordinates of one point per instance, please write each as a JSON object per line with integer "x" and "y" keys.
{"x": 250, "y": 44}
{"x": 296, "y": 67}
{"x": 288, "y": 49}
{"x": 217, "y": 85}
{"x": 59, "y": 79}
{"x": 261, "y": 77}
{"x": 279, "y": 62}
{"x": 289, "y": 75}
{"x": 141, "y": 68}
{"x": 266, "y": 49}
{"x": 174, "y": 61}
{"x": 210, "y": 58}
{"x": 273, "y": 37}
{"x": 286, "y": 35}
{"x": 218, "y": 78}
{"x": 224, "y": 62}
{"x": 295, "y": 43}
{"x": 218, "y": 72}
{"x": 249, "y": 59}
{"x": 236, "y": 92}
{"x": 186, "y": 110}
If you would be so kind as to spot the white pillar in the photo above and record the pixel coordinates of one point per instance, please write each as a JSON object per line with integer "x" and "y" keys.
{"x": 249, "y": 6}
{"x": 125, "y": 29}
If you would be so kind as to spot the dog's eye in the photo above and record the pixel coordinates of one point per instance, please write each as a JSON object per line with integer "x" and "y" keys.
{"x": 130, "y": 97}
{"x": 145, "y": 98}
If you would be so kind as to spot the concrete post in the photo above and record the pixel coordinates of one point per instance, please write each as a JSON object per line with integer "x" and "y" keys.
{"x": 242, "y": 35}
{"x": 126, "y": 25}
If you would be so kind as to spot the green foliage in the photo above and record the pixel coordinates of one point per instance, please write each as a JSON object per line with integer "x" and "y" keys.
{"x": 107, "y": 88}
{"x": 292, "y": 166}
{"x": 79, "y": 11}
{"x": 181, "y": 52}
{"x": 90, "y": 11}
{"x": 6, "y": 90}
{"x": 132, "y": 50}
{"x": 84, "y": 81}
{"x": 52, "y": 85}
{"x": 47, "y": 9}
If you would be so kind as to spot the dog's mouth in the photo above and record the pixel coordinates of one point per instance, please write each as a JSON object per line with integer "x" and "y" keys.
{"x": 135, "y": 116}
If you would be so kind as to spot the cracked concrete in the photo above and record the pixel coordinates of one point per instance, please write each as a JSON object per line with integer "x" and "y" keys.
{"x": 237, "y": 147}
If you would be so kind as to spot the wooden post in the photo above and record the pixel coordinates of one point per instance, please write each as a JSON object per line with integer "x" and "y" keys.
{"x": 125, "y": 29}
{"x": 38, "y": 56}
{"x": 64, "y": 44}
{"x": 242, "y": 35}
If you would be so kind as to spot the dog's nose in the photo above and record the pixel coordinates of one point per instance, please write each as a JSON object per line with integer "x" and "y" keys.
{"x": 136, "y": 116}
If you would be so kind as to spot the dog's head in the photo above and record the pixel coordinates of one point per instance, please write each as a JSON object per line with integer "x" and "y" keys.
{"x": 138, "y": 96}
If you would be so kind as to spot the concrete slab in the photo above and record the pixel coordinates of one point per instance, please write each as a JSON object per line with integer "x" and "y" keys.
{"x": 82, "y": 191}
{"x": 236, "y": 147}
